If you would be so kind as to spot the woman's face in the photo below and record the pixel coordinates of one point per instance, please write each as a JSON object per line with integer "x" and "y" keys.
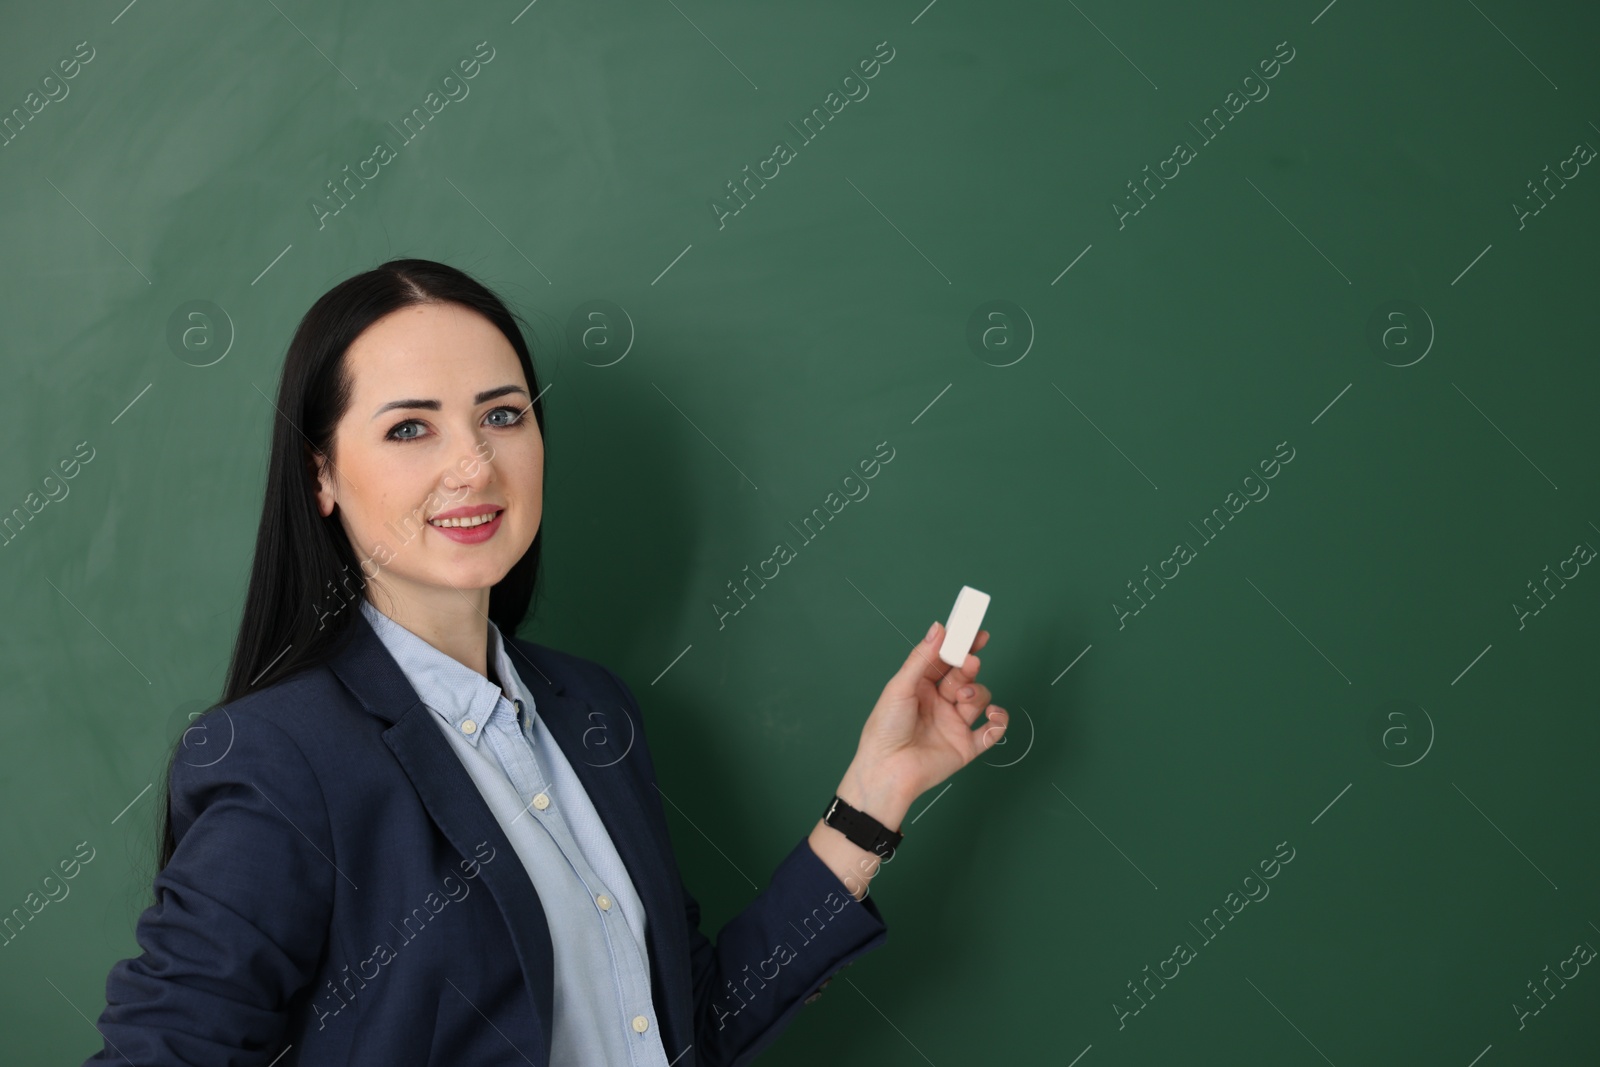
{"x": 439, "y": 432}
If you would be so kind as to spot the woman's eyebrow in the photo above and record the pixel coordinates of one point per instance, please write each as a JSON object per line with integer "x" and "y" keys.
{"x": 434, "y": 405}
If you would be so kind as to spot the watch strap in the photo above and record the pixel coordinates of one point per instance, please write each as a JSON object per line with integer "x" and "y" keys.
{"x": 862, "y": 829}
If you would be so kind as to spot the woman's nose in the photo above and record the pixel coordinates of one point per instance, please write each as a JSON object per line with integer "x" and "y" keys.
{"x": 473, "y": 462}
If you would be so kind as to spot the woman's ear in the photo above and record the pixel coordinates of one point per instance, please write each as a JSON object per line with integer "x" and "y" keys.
{"x": 320, "y": 470}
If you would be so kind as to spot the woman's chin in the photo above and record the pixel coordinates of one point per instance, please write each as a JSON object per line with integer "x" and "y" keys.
{"x": 467, "y": 575}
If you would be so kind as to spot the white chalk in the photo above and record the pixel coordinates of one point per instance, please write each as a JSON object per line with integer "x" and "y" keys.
{"x": 962, "y": 629}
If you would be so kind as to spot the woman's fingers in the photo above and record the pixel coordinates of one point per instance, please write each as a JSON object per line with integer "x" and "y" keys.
{"x": 970, "y": 700}
{"x": 959, "y": 677}
{"x": 970, "y": 666}
{"x": 923, "y": 662}
{"x": 993, "y": 732}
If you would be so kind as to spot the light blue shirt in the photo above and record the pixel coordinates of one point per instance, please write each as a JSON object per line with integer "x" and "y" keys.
{"x": 604, "y": 1015}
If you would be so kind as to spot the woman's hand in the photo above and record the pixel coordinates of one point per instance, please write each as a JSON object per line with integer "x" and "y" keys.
{"x": 921, "y": 731}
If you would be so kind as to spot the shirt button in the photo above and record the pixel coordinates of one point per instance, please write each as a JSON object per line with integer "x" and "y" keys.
{"x": 468, "y": 726}
{"x": 604, "y": 902}
{"x": 640, "y": 1024}
{"x": 541, "y": 802}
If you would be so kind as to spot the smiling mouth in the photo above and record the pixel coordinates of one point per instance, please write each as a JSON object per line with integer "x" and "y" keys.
{"x": 466, "y": 523}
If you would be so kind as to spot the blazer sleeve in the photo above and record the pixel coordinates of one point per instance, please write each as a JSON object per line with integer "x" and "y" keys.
{"x": 242, "y": 909}
{"x": 773, "y": 957}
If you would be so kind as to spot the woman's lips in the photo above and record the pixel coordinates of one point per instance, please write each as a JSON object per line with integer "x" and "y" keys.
{"x": 471, "y": 535}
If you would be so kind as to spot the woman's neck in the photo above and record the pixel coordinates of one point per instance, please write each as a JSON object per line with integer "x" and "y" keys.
{"x": 454, "y": 621}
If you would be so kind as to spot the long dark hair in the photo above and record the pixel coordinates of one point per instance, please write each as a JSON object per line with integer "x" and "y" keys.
{"x": 306, "y": 579}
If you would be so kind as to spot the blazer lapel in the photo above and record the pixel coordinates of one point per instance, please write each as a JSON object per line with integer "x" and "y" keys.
{"x": 454, "y": 803}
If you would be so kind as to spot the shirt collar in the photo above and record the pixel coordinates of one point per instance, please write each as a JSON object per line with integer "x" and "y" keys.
{"x": 450, "y": 689}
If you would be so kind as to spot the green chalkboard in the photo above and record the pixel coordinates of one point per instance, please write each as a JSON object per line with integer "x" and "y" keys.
{"x": 1243, "y": 353}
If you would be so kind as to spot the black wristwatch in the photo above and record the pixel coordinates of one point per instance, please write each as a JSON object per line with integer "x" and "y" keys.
{"x": 862, "y": 829}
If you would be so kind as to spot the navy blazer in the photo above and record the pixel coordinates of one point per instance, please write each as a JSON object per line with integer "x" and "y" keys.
{"x": 341, "y": 894}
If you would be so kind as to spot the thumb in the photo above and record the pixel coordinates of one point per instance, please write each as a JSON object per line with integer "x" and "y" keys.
{"x": 922, "y": 662}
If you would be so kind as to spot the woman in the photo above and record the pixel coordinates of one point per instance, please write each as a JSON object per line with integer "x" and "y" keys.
{"x": 408, "y": 836}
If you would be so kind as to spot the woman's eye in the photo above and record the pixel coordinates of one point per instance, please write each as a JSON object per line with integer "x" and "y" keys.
{"x": 396, "y": 435}
{"x": 514, "y": 415}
